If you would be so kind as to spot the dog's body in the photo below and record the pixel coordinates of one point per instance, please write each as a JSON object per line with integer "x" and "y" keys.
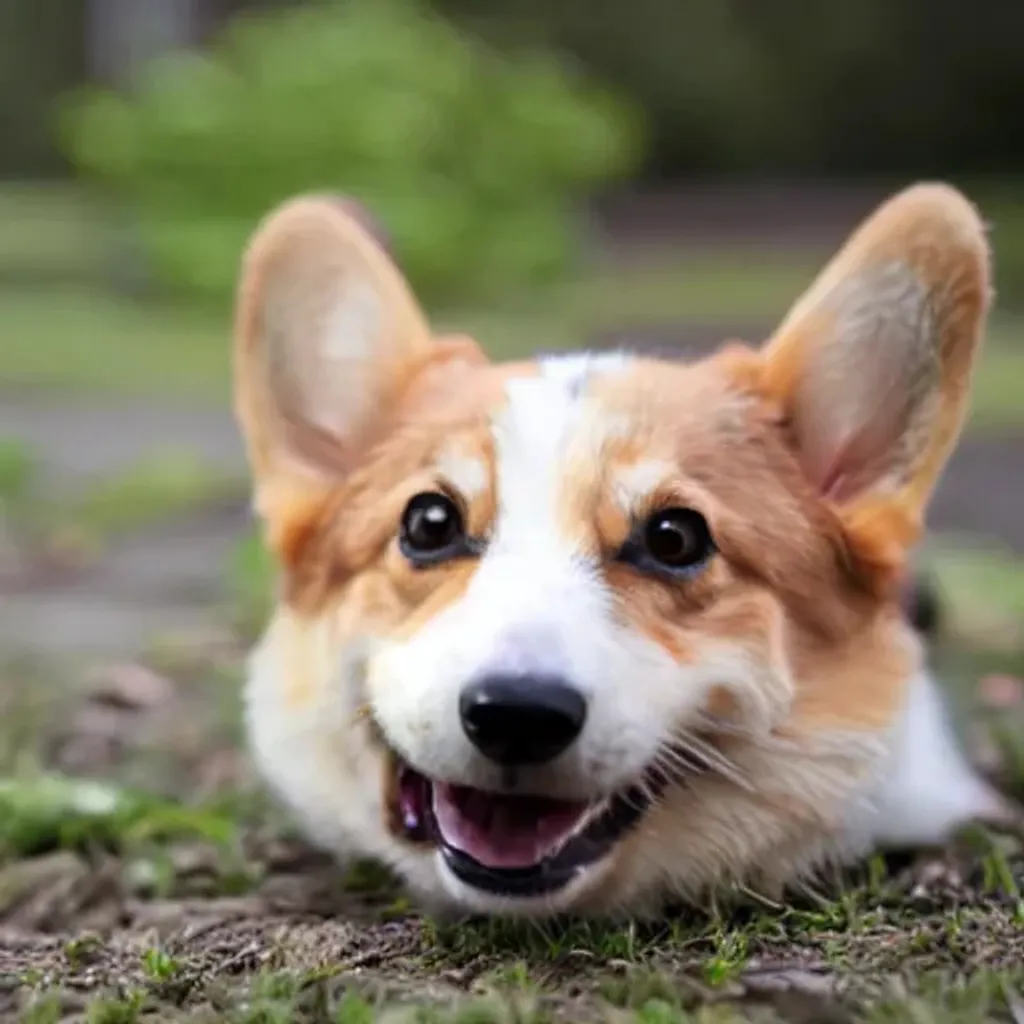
{"x": 588, "y": 632}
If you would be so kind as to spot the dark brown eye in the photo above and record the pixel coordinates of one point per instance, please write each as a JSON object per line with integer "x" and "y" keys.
{"x": 432, "y": 529}
{"x": 675, "y": 541}
{"x": 677, "y": 538}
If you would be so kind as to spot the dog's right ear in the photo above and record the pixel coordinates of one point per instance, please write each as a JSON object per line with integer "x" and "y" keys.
{"x": 327, "y": 333}
{"x": 872, "y": 367}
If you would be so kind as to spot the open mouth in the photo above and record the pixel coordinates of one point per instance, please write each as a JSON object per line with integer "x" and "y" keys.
{"x": 512, "y": 845}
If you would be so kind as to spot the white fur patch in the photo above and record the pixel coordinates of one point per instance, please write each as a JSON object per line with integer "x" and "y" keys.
{"x": 929, "y": 788}
{"x": 466, "y": 473}
{"x": 634, "y": 484}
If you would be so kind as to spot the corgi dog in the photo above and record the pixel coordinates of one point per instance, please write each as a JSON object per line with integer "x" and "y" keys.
{"x": 591, "y": 632}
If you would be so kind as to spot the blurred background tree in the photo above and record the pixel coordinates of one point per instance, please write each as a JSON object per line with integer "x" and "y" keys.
{"x": 797, "y": 87}
{"x": 470, "y": 155}
{"x": 891, "y": 89}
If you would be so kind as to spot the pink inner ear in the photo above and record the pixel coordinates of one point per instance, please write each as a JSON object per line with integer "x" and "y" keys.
{"x": 846, "y": 470}
{"x": 848, "y": 473}
{"x": 834, "y": 484}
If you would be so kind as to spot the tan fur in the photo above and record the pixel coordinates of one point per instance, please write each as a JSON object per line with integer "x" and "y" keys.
{"x": 804, "y": 590}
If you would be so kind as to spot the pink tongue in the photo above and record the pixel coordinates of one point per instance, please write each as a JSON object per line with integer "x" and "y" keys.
{"x": 503, "y": 831}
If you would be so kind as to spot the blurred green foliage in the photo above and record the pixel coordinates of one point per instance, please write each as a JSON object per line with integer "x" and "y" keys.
{"x": 42, "y": 53}
{"x": 1003, "y": 208}
{"x": 469, "y": 155}
{"x": 797, "y": 87}
{"x": 891, "y": 89}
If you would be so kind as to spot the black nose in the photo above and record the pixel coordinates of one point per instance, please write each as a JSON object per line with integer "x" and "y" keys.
{"x": 517, "y": 720}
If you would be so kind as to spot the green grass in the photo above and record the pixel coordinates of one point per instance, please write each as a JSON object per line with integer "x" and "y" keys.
{"x": 82, "y": 340}
{"x": 79, "y": 339}
{"x": 998, "y": 394}
{"x": 18, "y": 471}
{"x": 575, "y": 979}
{"x": 322, "y": 997}
{"x": 166, "y": 483}
{"x": 983, "y": 586}
{"x": 41, "y": 812}
{"x": 49, "y": 232}
{"x": 61, "y": 332}
{"x": 744, "y": 283}
{"x": 249, "y": 577}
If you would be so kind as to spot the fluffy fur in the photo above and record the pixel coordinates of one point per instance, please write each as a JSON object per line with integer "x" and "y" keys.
{"x": 785, "y": 664}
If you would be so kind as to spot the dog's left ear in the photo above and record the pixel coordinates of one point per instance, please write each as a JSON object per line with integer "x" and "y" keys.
{"x": 872, "y": 366}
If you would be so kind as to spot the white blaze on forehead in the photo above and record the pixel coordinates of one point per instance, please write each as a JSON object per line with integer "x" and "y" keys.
{"x": 531, "y": 435}
{"x": 535, "y": 432}
{"x": 535, "y": 598}
{"x": 544, "y": 421}
{"x": 573, "y": 371}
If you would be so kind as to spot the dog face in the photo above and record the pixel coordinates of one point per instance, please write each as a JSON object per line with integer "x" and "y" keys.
{"x": 577, "y": 633}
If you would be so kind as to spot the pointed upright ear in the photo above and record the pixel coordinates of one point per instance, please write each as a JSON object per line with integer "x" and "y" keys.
{"x": 327, "y": 332}
{"x": 872, "y": 366}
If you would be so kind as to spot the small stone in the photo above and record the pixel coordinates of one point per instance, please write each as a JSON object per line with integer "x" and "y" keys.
{"x": 1000, "y": 690}
{"x": 130, "y": 686}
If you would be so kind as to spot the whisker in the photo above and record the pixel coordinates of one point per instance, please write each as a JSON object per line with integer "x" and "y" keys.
{"x": 688, "y": 748}
{"x": 679, "y": 760}
{"x": 722, "y": 726}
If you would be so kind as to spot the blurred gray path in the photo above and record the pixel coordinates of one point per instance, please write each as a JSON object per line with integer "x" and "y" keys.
{"x": 163, "y": 580}
{"x": 169, "y": 579}
{"x": 83, "y": 437}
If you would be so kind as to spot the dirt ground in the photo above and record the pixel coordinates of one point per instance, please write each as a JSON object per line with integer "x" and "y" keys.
{"x": 182, "y": 958}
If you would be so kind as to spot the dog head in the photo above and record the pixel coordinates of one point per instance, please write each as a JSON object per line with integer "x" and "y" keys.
{"x": 579, "y": 631}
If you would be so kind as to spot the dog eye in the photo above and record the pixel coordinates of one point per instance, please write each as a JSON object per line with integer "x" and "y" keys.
{"x": 677, "y": 538}
{"x": 432, "y": 529}
{"x": 674, "y": 541}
